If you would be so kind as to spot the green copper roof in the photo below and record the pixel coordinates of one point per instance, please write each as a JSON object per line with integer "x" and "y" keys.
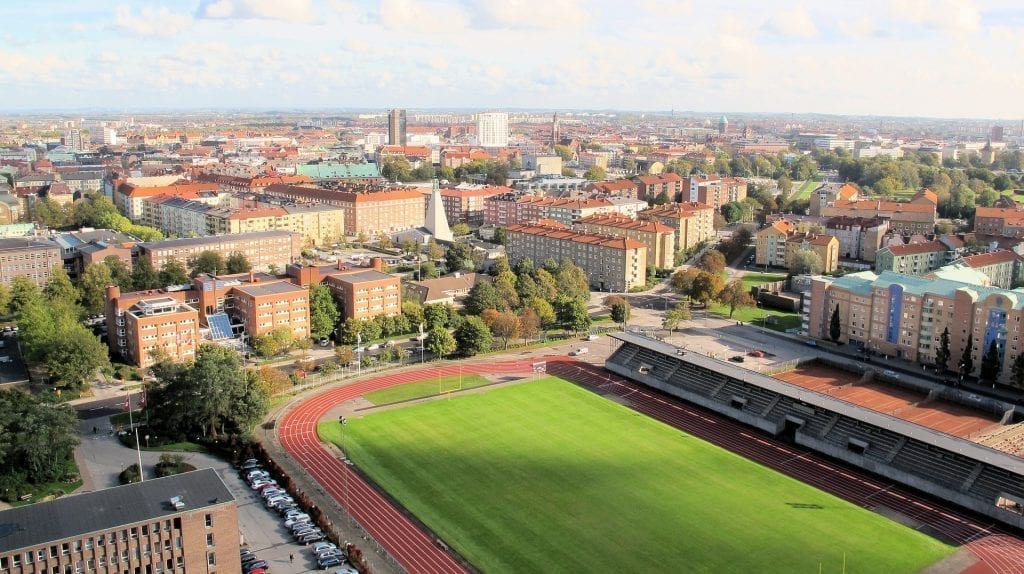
{"x": 338, "y": 170}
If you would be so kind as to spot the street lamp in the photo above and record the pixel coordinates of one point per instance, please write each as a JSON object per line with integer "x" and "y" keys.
{"x": 344, "y": 471}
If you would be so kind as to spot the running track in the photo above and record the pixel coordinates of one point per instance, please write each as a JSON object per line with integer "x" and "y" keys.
{"x": 999, "y": 551}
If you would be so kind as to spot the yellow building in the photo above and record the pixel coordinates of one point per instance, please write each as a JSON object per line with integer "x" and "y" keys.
{"x": 693, "y": 222}
{"x": 826, "y": 246}
{"x": 658, "y": 237}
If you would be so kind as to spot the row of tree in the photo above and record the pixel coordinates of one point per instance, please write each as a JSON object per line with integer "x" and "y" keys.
{"x": 37, "y": 441}
{"x": 93, "y": 209}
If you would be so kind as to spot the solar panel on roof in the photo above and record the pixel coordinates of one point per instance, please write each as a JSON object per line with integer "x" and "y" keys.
{"x": 220, "y": 326}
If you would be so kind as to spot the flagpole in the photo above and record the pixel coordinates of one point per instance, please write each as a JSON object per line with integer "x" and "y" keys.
{"x": 131, "y": 425}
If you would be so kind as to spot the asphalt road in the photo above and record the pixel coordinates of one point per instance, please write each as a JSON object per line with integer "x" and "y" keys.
{"x": 105, "y": 407}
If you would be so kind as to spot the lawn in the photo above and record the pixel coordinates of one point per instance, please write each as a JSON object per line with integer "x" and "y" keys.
{"x": 428, "y": 388}
{"x": 544, "y": 476}
{"x": 805, "y": 190}
{"x": 755, "y": 315}
{"x": 758, "y": 279}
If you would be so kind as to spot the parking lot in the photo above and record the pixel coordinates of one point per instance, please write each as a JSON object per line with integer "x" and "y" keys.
{"x": 101, "y": 458}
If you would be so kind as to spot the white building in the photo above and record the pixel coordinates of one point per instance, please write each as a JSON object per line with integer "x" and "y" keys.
{"x": 109, "y": 136}
{"x": 492, "y": 129}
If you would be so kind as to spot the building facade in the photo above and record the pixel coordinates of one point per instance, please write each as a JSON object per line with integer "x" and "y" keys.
{"x": 694, "y": 223}
{"x": 714, "y": 191}
{"x": 615, "y": 264}
{"x": 770, "y": 244}
{"x": 263, "y": 249}
{"x": 904, "y": 316}
{"x": 1008, "y": 222}
{"x": 825, "y": 246}
{"x": 396, "y": 127}
{"x": 28, "y": 258}
{"x": 366, "y": 293}
{"x": 659, "y": 238}
{"x": 492, "y": 129}
{"x": 650, "y": 186}
{"x": 368, "y": 210}
{"x": 905, "y": 218}
{"x": 178, "y": 524}
{"x": 265, "y": 307}
{"x": 913, "y": 258}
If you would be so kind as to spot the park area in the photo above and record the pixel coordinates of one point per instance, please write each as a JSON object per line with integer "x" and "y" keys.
{"x": 544, "y": 476}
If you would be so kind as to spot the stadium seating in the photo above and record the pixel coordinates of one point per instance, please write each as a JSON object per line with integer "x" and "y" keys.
{"x": 947, "y": 469}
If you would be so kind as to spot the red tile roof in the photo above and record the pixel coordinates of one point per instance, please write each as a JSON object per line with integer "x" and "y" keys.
{"x": 993, "y": 258}
{"x": 624, "y": 222}
{"x": 566, "y": 234}
{"x": 918, "y": 248}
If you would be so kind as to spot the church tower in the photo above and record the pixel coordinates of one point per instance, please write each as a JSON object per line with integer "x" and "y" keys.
{"x": 437, "y": 223}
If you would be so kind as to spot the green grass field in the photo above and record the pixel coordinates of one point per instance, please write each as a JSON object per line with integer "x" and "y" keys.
{"x": 428, "y": 388}
{"x": 805, "y": 190}
{"x": 544, "y": 476}
{"x": 758, "y": 279}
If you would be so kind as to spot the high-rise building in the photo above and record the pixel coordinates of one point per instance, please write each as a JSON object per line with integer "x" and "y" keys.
{"x": 109, "y": 136}
{"x": 73, "y": 139}
{"x": 555, "y": 135}
{"x": 492, "y": 129}
{"x": 396, "y": 127}
{"x": 996, "y": 133}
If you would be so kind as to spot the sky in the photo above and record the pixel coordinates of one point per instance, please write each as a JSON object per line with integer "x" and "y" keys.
{"x": 935, "y": 58}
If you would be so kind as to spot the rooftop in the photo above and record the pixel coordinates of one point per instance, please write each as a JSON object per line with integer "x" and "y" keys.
{"x": 264, "y": 289}
{"x": 361, "y": 276}
{"x": 77, "y": 515}
{"x": 215, "y": 239}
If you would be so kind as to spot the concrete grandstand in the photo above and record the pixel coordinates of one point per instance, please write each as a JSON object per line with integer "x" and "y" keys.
{"x": 966, "y": 473}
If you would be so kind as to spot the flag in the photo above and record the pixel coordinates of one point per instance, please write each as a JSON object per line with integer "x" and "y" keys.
{"x": 127, "y": 403}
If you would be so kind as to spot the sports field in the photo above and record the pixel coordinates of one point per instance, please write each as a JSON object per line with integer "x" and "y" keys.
{"x": 425, "y": 388}
{"x": 547, "y": 477}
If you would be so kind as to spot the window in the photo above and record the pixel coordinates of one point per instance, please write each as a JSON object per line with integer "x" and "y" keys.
{"x": 209, "y": 539}
{"x": 211, "y": 559}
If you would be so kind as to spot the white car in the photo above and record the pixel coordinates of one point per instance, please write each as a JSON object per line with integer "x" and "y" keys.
{"x": 373, "y": 347}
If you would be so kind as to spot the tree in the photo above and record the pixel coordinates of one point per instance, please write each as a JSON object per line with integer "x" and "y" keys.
{"x": 173, "y": 273}
{"x": 473, "y": 337}
{"x": 505, "y": 287}
{"x": 1017, "y": 372}
{"x": 620, "y": 312}
{"x": 545, "y": 312}
{"x": 207, "y": 262}
{"x": 563, "y": 152}
{"x": 460, "y": 229}
{"x": 23, "y": 291}
{"x": 735, "y": 296}
{"x": 806, "y": 262}
{"x": 529, "y": 323}
{"x": 434, "y": 251}
{"x": 59, "y": 288}
{"x": 595, "y": 173}
{"x": 835, "y": 327}
{"x": 568, "y": 172}
{"x": 662, "y": 198}
{"x": 990, "y": 364}
{"x": 5, "y": 298}
{"x": 706, "y": 287}
{"x": 274, "y": 342}
{"x": 675, "y": 316}
{"x": 942, "y": 353}
{"x": 396, "y": 168}
{"x": 966, "y": 365}
{"x": 571, "y": 313}
{"x": 572, "y": 280}
{"x": 440, "y": 342}
{"x": 37, "y": 441}
{"x": 237, "y": 263}
{"x": 437, "y": 315}
{"x": 785, "y": 185}
{"x": 144, "y": 276}
{"x": 74, "y": 357}
{"x": 459, "y": 257}
{"x": 481, "y": 297}
{"x": 323, "y": 312}
{"x": 119, "y": 273}
{"x": 428, "y": 270}
{"x": 500, "y": 235}
{"x": 94, "y": 284}
{"x": 712, "y": 261}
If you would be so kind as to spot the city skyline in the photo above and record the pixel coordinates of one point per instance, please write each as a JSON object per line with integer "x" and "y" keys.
{"x": 944, "y": 58}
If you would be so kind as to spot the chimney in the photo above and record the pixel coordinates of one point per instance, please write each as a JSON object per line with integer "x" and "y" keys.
{"x": 252, "y": 276}
{"x": 377, "y": 263}
{"x": 113, "y": 292}
{"x": 341, "y": 265}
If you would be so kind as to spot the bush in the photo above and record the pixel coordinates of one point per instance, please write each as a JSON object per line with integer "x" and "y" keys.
{"x": 130, "y": 475}
{"x": 172, "y": 464}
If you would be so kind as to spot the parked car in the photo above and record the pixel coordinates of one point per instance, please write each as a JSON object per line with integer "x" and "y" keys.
{"x": 321, "y": 546}
{"x": 373, "y": 347}
{"x": 737, "y": 358}
{"x": 811, "y": 343}
{"x": 593, "y": 337}
{"x": 325, "y": 342}
{"x": 329, "y": 562}
{"x": 756, "y": 354}
{"x": 259, "y": 564}
{"x": 891, "y": 374}
{"x": 310, "y": 538}
{"x": 580, "y": 351}
{"x": 359, "y": 350}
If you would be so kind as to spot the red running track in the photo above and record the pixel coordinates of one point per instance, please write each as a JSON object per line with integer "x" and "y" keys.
{"x": 402, "y": 538}
{"x": 998, "y": 550}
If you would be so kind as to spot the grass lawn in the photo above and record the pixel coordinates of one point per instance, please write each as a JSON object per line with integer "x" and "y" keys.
{"x": 544, "y": 476}
{"x": 783, "y": 320}
{"x": 805, "y": 190}
{"x": 428, "y": 388}
{"x": 758, "y": 279}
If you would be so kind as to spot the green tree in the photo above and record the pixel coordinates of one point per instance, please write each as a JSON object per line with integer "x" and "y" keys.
{"x": 806, "y": 262}
{"x": 620, "y": 312}
{"x": 571, "y": 279}
{"x": 473, "y": 337}
{"x": 735, "y": 296}
{"x": 785, "y": 185}
{"x": 438, "y": 315}
{"x": 705, "y": 287}
{"x": 942, "y": 354}
{"x": 440, "y": 342}
{"x": 460, "y": 229}
{"x": 207, "y": 262}
{"x": 37, "y": 440}
{"x": 500, "y": 235}
{"x": 507, "y": 326}
{"x": 173, "y": 273}
{"x": 545, "y": 312}
{"x": 5, "y": 298}
{"x": 323, "y": 313}
{"x": 676, "y": 315}
{"x": 94, "y": 284}
{"x": 595, "y": 173}
{"x": 481, "y": 297}
{"x": 434, "y": 251}
{"x": 835, "y": 326}
{"x": 144, "y": 276}
{"x": 662, "y": 198}
{"x": 459, "y": 257}
{"x": 23, "y": 291}
{"x": 571, "y": 313}
{"x": 396, "y": 168}
{"x": 563, "y": 152}
{"x": 59, "y": 288}
{"x": 990, "y": 365}
{"x": 119, "y": 273}
{"x": 50, "y": 214}
{"x": 966, "y": 365}
{"x": 237, "y": 263}
{"x": 75, "y": 356}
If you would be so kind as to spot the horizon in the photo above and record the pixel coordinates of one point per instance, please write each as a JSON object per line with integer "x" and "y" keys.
{"x": 900, "y": 59}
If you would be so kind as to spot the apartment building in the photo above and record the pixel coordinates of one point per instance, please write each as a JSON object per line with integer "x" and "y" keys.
{"x": 913, "y": 258}
{"x": 694, "y": 223}
{"x": 827, "y": 194}
{"x": 148, "y": 325}
{"x": 904, "y": 316}
{"x": 317, "y": 224}
{"x": 129, "y": 198}
{"x": 503, "y": 209}
{"x": 366, "y": 210}
{"x": 1004, "y": 269}
{"x": 713, "y": 190}
{"x": 28, "y": 258}
{"x": 649, "y": 187}
{"x": 264, "y": 307}
{"x": 616, "y": 188}
{"x": 182, "y": 523}
{"x": 825, "y": 246}
{"x": 366, "y": 293}
{"x": 906, "y": 218}
{"x": 1004, "y": 221}
{"x": 615, "y": 264}
{"x": 466, "y": 205}
{"x": 770, "y": 244}
{"x": 659, "y": 238}
{"x": 263, "y": 249}
{"x": 859, "y": 237}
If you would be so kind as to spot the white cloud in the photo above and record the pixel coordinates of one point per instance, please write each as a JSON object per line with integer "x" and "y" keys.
{"x": 950, "y": 16}
{"x": 421, "y": 17}
{"x": 859, "y": 27}
{"x": 150, "y": 21}
{"x": 794, "y": 23}
{"x": 667, "y": 8}
{"x": 358, "y": 45}
{"x": 297, "y": 11}
{"x": 524, "y": 14}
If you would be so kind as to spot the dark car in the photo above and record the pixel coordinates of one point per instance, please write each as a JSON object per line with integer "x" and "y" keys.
{"x": 257, "y": 565}
{"x": 737, "y": 358}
